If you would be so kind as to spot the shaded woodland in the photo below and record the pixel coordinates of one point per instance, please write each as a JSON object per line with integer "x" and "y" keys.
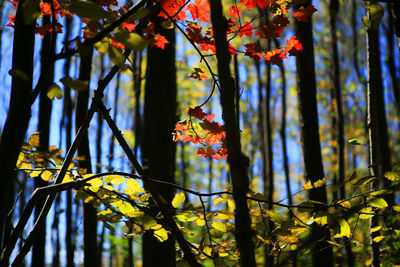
{"x": 199, "y": 133}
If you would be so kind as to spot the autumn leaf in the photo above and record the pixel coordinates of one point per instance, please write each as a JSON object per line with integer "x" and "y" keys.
{"x": 54, "y": 91}
{"x": 178, "y": 199}
{"x": 303, "y": 13}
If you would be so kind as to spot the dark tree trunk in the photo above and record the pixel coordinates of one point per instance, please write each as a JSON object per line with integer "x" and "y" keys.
{"x": 310, "y": 140}
{"x": 158, "y": 147}
{"x": 377, "y": 129}
{"x": 68, "y": 128}
{"x": 395, "y": 14}
{"x": 89, "y": 212}
{"x": 238, "y": 162}
{"x": 19, "y": 111}
{"x": 45, "y": 106}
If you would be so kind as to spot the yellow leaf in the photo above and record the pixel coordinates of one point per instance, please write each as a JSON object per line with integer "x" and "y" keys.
{"x": 344, "y": 228}
{"x": 217, "y": 200}
{"x": 377, "y": 202}
{"x": 118, "y": 180}
{"x": 207, "y": 250}
{"x": 116, "y": 56}
{"x": 179, "y": 198}
{"x": 133, "y": 187}
{"x": 131, "y": 40}
{"x": 376, "y": 228}
{"x": 126, "y": 209}
{"x": 94, "y": 184}
{"x": 378, "y": 239}
{"x": 320, "y": 183}
{"x": 161, "y": 235}
{"x": 67, "y": 178}
{"x": 334, "y": 243}
{"x": 167, "y": 25}
{"x": 308, "y": 185}
{"x": 102, "y": 46}
{"x": 25, "y": 165}
{"x": 345, "y": 204}
{"x": 231, "y": 204}
{"x": 77, "y": 85}
{"x": 221, "y": 217}
{"x": 219, "y": 226}
{"x": 366, "y": 213}
{"x": 35, "y": 173}
{"x": 393, "y": 175}
{"x": 54, "y": 91}
{"x": 21, "y": 157}
{"x": 200, "y": 222}
{"x": 46, "y": 175}
{"x": 396, "y": 208}
{"x": 34, "y": 140}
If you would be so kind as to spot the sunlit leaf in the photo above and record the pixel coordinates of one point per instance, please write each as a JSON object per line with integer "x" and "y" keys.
{"x": 219, "y": 226}
{"x": 161, "y": 234}
{"x": 116, "y": 56}
{"x": 34, "y": 140}
{"x": 393, "y": 175}
{"x": 132, "y": 40}
{"x": 376, "y": 228}
{"x": 46, "y": 175}
{"x": 344, "y": 228}
{"x": 355, "y": 141}
{"x": 102, "y": 46}
{"x": 133, "y": 187}
{"x": 126, "y": 209}
{"x": 179, "y": 198}
{"x": 221, "y": 216}
{"x": 366, "y": 213}
{"x": 381, "y": 192}
{"x": 308, "y": 185}
{"x": 319, "y": 183}
{"x": 378, "y": 239}
{"x": 377, "y": 203}
{"x": 345, "y": 204}
{"x": 200, "y": 222}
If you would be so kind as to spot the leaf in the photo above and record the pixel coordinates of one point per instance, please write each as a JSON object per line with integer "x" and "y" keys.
{"x": 133, "y": 187}
{"x": 345, "y": 204}
{"x": 167, "y": 24}
{"x": 376, "y": 228}
{"x": 16, "y": 73}
{"x": 366, "y": 213}
{"x": 355, "y": 142}
{"x": 34, "y": 140}
{"x": 87, "y": 9}
{"x": 131, "y": 40}
{"x": 305, "y": 206}
{"x": 393, "y": 175}
{"x": 364, "y": 180}
{"x": 200, "y": 222}
{"x": 141, "y": 13}
{"x": 376, "y": 12}
{"x": 94, "y": 184}
{"x": 377, "y": 203}
{"x": 54, "y": 91}
{"x": 219, "y": 226}
{"x": 344, "y": 228}
{"x": 126, "y": 209}
{"x": 378, "y": 239}
{"x": 161, "y": 235}
{"x": 221, "y": 217}
{"x": 102, "y": 46}
{"x": 319, "y": 183}
{"x": 77, "y": 85}
{"x": 334, "y": 244}
{"x": 116, "y": 56}
{"x": 396, "y": 208}
{"x": 308, "y": 185}
{"x": 179, "y": 198}
{"x": 46, "y": 175}
{"x": 117, "y": 180}
{"x": 381, "y": 192}
{"x": 31, "y": 11}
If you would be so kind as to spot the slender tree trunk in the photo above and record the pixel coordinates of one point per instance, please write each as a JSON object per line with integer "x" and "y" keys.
{"x": 19, "y": 111}
{"x": 89, "y": 212}
{"x": 68, "y": 128}
{"x": 238, "y": 162}
{"x": 377, "y": 129}
{"x": 45, "y": 107}
{"x": 310, "y": 140}
{"x": 159, "y": 120}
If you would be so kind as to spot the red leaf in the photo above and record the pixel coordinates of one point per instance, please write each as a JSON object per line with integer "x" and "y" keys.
{"x": 293, "y": 46}
{"x": 234, "y": 11}
{"x": 275, "y": 57}
{"x": 200, "y": 10}
{"x": 129, "y": 26}
{"x": 173, "y": 8}
{"x": 159, "y": 41}
{"x": 302, "y": 14}
{"x": 246, "y": 29}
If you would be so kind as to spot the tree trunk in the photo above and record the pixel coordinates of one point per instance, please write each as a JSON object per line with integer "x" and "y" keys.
{"x": 238, "y": 162}
{"x": 309, "y": 136}
{"x": 19, "y": 111}
{"x": 377, "y": 129}
{"x": 89, "y": 212}
{"x": 158, "y": 147}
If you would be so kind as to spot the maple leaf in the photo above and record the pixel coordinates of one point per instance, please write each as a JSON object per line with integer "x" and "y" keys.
{"x": 293, "y": 46}
{"x": 302, "y": 13}
{"x": 253, "y": 50}
{"x": 200, "y": 10}
{"x": 246, "y": 29}
{"x": 275, "y": 57}
{"x": 260, "y": 3}
{"x": 281, "y": 21}
{"x": 197, "y": 113}
{"x": 159, "y": 41}
{"x": 174, "y": 9}
{"x": 198, "y": 74}
{"x": 129, "y": 26}
{"x": 234, "y": 11}
{"x": 270, "y": 31}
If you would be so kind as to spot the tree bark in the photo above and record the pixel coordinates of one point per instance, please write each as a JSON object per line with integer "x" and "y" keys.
{"x": 158, "y": 147}
{"x": 19, "y": 111}
{"x": 238, "y": 162}
{"x": 309, "y": 136}
{"x": 89, "y": 212}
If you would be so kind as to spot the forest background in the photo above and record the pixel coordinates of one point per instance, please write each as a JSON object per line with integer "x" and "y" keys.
{"x": 322, "y": 174}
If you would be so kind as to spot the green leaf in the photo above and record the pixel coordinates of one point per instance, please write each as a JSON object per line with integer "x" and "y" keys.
{"x": 141, "y": 13}
{"x": 131, "y": 40}
{"x": 364, "y": 180}
{"x": 393, "y": 175}
{"x": 381, "y": 192}
{"x": 31, "y": 11}
{"x": 356, "y": 142}
{"x": 116, "y": 56}
{"x": 179, "y": 198}
{"x": 54, "y": 91}
{"x": 161, "y": 235}
{"x": 77, "y": 85}
{"x": 102, "y": 46}
{"x": 305, "y": 206}
{"x": 376, "y": 12}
